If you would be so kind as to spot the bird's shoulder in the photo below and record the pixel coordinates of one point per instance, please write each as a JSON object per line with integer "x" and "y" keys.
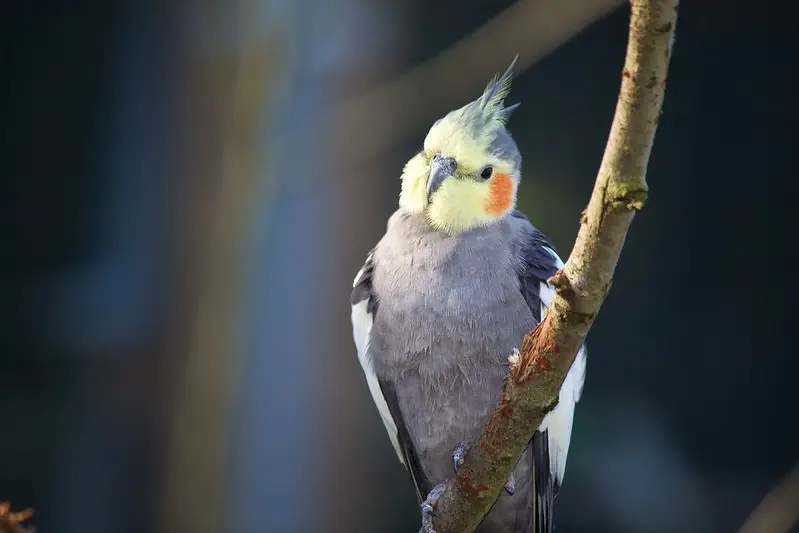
{"x": 539, "y": 259}
{"x": 537, "y": 262}
{"x": 362, "y": 284}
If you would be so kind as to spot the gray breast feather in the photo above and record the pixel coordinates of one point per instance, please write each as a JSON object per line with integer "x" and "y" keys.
{"x": 434, "y": 320}
{"x": 364, "y": 305}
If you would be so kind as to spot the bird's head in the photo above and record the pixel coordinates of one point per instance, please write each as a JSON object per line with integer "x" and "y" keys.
{"x": 469, "y": 170}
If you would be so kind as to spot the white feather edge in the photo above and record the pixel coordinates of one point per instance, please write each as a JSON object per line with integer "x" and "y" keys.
{"x": 559, "y": 420}
{"x": 361, "y": 327}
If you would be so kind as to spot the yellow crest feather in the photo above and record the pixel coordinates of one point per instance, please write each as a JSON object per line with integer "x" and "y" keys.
{"x": 493, "y": 97}
{"x": 465, "y": 134}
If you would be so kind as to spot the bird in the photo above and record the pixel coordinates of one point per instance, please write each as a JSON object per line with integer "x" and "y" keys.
{"x": 446, "y": 296}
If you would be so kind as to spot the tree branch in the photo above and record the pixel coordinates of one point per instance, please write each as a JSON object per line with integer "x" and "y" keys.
{"x": 547, "y": 352}
{"x": 12, "y": 522}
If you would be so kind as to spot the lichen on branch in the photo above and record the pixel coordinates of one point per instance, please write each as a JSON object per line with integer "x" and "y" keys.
{"x": 538, "y": 370}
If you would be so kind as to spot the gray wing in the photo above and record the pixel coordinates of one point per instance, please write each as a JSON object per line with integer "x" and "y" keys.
{"x": 550, "y": 442}
{"x": 364, "y": 305}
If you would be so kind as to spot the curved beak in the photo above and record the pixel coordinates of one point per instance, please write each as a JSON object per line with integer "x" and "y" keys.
{"x": 441, "y": 169}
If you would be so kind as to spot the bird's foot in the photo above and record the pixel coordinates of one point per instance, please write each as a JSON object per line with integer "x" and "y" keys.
{"x": 459, "y": 454}
{"x": 428, "y": 507}
{"x": 510, "y": 485}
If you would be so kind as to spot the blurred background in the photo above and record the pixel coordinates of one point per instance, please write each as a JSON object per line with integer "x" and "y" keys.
{"x": 189, "y": 188}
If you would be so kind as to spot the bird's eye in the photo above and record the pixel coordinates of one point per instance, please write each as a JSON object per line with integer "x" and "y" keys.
{"x": 486, "y": 172}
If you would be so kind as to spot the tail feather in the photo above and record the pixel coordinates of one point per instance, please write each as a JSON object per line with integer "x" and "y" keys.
{"x": 542, "y": 484}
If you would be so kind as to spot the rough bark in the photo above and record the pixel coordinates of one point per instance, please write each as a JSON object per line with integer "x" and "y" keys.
{"x": 539, "y": 369}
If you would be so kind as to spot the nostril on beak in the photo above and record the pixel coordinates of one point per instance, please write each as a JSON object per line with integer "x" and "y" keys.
{"x": 440, "y": 169}
{"x": 448, "y": 163}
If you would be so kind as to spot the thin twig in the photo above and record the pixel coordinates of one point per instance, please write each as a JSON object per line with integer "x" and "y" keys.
{"x": 538, "y": 371}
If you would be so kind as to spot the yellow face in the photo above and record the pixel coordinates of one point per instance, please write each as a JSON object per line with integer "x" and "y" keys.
{"x": 480, "y": 190}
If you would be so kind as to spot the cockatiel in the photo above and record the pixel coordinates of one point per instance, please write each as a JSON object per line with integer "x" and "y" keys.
{"x": 444, "y": 298}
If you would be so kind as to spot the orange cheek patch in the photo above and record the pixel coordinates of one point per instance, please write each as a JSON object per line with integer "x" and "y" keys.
{"x": 500, "y": 195}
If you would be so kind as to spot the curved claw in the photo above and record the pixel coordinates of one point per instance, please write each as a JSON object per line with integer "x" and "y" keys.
{"x": 510, "y": 485}
{"x": 428, "y": 507}
{"x": 459, "y": 454}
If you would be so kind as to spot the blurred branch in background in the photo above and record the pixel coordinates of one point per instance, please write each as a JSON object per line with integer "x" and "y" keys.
{"x": 779, "y": 510}
{"x": 230, "y": 70}
{"x": 531, "y": 28}
{"x": 11, "y": 522}
{"x": 537, "y": 373}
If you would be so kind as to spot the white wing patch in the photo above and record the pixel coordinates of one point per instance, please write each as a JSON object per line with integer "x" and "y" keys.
{"x": 559, "y": 420}
{"x": 361, "y": 327}
{"x": 547, "y": 292}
